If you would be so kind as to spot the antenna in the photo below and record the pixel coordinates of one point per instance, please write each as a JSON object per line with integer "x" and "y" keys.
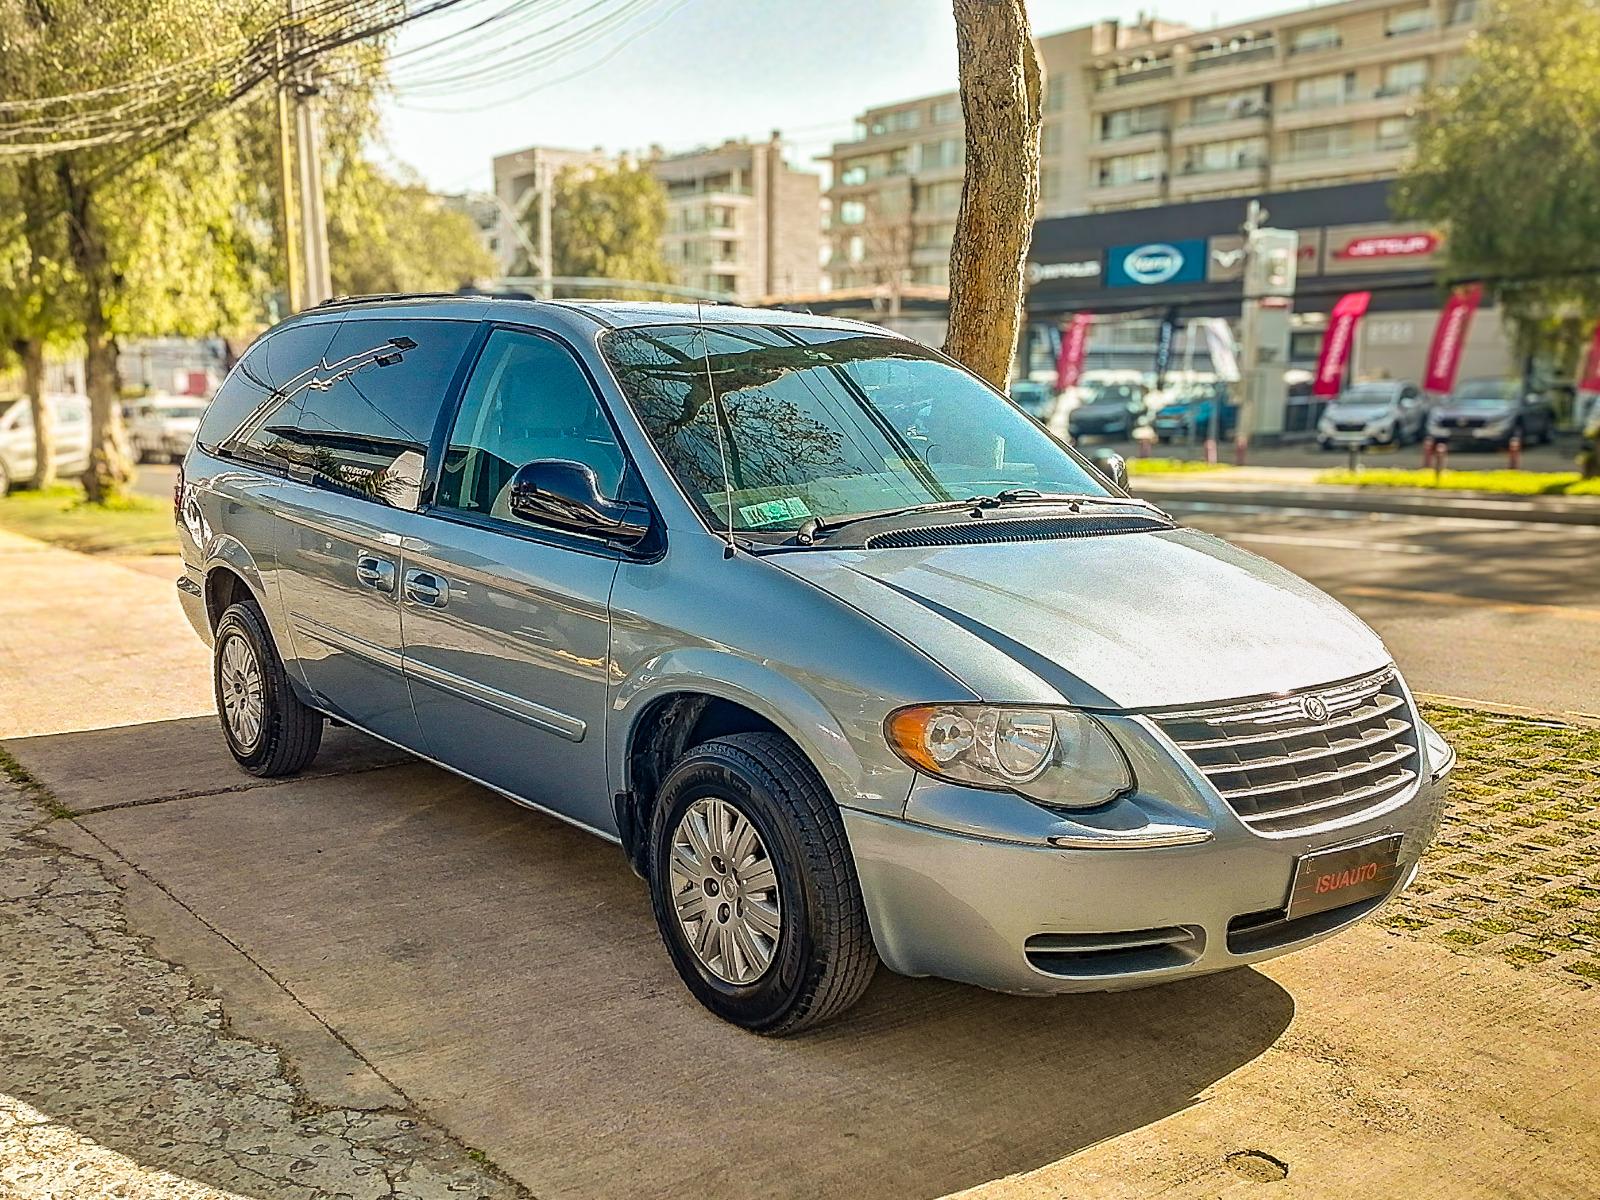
{"x": 716, "y": 421}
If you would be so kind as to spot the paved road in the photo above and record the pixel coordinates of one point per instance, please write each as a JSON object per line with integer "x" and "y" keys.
{"x": 1494, "y": 611}
{"x": 155, "y": 479}
{"x": 1556, "y": 457}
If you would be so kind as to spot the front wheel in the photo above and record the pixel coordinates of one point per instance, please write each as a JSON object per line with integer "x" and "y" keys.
{"x": 754, "y": 889}
{"x": 268, "y": 730}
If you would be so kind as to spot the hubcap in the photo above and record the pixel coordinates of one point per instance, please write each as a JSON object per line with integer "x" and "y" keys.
{"x": 239, "y": 681}
{"x": 725, "y": 891}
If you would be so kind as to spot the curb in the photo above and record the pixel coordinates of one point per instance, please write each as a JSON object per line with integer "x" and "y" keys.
{"x": 1458, "y": 504}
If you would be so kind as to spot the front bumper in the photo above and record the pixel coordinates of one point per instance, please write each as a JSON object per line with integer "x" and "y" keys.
{"x": 1040, "y": 918}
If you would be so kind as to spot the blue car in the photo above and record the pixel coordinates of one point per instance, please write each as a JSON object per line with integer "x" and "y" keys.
{"x": 1189, "y": 415}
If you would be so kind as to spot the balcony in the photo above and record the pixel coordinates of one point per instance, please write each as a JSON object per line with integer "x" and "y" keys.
{"x": 1367, "y": 156}
{"x": 1129, "y": 76}
{"x": 1352, "y": 106}
{"x": 1111, "y": 194}
{"x": 1222, "y": 127}
{"x": 1130, "y": 143}
{"x": 1316, "y": 46}
{"x": 1233, "y": 56}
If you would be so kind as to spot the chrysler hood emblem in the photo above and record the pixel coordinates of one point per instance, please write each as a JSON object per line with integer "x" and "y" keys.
{"x": 1315, "y": 708}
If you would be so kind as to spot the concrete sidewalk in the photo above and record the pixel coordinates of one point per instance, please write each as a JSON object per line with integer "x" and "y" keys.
{"x": 88, "y": 642}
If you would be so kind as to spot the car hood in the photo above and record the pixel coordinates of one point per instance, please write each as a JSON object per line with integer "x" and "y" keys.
{"x": 1126, "y": 621}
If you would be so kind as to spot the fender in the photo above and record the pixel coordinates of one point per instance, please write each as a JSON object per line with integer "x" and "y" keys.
{"x": 728, "y": 676}
{"x": 226, "y": 551}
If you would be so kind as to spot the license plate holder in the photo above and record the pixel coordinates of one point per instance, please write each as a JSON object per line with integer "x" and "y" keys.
{"x": 1343, "y": 875}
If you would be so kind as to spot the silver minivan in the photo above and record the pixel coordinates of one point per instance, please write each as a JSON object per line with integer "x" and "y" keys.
{"x": 854, "y": 661}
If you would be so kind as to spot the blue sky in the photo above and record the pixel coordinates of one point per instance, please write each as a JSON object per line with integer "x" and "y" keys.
{"x": 713, "y": 69}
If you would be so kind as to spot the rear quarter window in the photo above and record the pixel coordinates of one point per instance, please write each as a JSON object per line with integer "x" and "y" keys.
{"x": 257, "y": 409}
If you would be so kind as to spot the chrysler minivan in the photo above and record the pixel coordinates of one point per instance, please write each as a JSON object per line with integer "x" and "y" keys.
{"x": 852, "y": 659}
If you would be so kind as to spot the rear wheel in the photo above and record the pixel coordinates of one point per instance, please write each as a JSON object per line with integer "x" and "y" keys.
{"x": 754, "y": 889}
{"x": 268, "y": 730}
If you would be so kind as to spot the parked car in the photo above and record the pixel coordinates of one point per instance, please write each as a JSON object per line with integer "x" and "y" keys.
{"x": 1492, "y": 412}
{"x": 71, "y": 419}
{"x": 838, "y": 696}
{"x": 1035, "y": 399}
{"x": 162, "y": 427}
{"x": 1188, "y": 414}
{"x": 1382, "y": 413}
{"x": 1112, "y": 410}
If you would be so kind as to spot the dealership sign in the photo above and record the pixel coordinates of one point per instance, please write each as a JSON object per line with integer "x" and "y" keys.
{"x": 1081, "y": 269}
{"x": 1155, "y": 263}
{"x": 1380, "y": 248}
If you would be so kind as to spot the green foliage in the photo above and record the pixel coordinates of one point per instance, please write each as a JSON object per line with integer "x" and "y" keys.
{"x": 128, "y": 524}
{"x": 388, "y": 234}
{"x": 1509, "y": 160}
{"x": 1511, "y": 483}
{"x": 607, "y": 224}
{"x": 1172, "y": 466}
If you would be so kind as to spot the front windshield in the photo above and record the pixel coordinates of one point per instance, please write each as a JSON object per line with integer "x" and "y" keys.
{"x": 826, "y": 423}
{"x": 1366, "y": 397}
{"x": 1484, "y": 393}
{"x": 1113, "y": 394}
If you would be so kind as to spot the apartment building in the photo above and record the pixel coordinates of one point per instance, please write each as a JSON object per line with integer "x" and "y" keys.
{"x": 1154, "y": 113}
{"x": 741, "y": 222}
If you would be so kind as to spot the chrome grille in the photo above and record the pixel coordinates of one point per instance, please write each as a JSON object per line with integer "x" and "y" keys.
{"x": 1284, "y": 771}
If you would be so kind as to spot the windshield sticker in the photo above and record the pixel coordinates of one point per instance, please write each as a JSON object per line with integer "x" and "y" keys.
{"x": 772, "y": 512}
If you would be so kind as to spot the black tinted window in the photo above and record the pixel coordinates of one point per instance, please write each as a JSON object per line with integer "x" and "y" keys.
{"x": 257, "y": 409}
{"x": 368, "y": 417}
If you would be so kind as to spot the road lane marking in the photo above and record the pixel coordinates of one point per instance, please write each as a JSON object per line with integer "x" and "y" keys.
{"x": 1460, "y": 601}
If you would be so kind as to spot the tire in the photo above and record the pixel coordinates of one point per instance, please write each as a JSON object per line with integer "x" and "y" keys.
{"x": 822, "y": 958}
{"x": 285, "y": 734}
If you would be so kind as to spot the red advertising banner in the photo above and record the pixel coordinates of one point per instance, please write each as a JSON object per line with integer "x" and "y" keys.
{"x": 1591, "y": 367}
{"x": 1450, "y": 337}
{"x": 1074, "y": 345}
{"x": 1336, "y": 343}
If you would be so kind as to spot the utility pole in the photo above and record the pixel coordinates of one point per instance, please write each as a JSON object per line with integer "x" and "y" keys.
{"x": 305, "y": 221}
{"x": 547, "y": 272}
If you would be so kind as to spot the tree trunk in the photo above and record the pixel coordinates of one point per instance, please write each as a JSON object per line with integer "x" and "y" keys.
{"x": 1000, "y": 99}
{"x": 110, "y": 469}
{"x": 31, "y": 352}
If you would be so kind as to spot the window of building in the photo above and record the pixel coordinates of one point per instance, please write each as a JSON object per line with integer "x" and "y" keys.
{"x": 855, "y": 171}
{"x": 898, "y": 121}
{"x": 941, "y": 197}
{"x": 1235, "y": 154}
{"x": 948, "y": 152}
{"x": 1050, "y": 139}
{"x": 1050, "y": 185}
{"x": 367, "y": 420}
{"x": 1396, "y": 133}
{"x": 1463, "y": 12}
{"x": 1405, "y": 79}
{"x": 855, "y": 248}
{"x": 932, "y": 273}
{"x": 1055, "y": 93}
{"x": 1308, "y": 39}
{"x": 852, "y": 212}
{"x": 1228, "y": 106}
{"x": 1412, "y": 19}
{"x": 1130, "y": 168}
{"x": 1321, "y": 91}
{"x": 1131, "y": 122}
{"x": 944, "y": 112}
{"x": 899, "y": 161}
{"x": 1325, "y": 141}
{"x": 937, "y": 236}
{"x": 527, "y": 399}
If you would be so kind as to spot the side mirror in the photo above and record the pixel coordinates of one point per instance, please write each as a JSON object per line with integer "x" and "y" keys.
{"x": 566, "y": 495}
{"x": 1112, "y": 465}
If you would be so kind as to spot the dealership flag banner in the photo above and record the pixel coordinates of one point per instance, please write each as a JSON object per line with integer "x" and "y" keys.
{"x": 1219, "y": 341}
{"x": 1591, "y": 368}
{"x": 1336, "y": 343}
{"x": 1164, "y": 338}
{"x": 1074, "y": 345}
{"x": 1449, "y": 337}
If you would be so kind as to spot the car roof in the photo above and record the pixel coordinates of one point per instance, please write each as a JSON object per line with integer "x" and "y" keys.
{"x": 611, "y": 314}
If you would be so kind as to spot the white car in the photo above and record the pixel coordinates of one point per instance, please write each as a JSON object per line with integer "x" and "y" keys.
{"x": 162, "y": 427}
{"x": 71, "y": 419}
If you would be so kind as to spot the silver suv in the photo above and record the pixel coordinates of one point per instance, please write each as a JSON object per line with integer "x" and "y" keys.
{"x": 850, "y": 656}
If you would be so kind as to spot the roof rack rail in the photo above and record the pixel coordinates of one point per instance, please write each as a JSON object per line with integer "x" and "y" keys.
{"x": 333, "y": 300}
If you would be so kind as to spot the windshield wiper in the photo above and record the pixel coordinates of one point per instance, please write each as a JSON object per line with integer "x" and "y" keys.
{"x": 814, "y": 528}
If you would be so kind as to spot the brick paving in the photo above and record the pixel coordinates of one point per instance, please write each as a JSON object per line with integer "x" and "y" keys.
{"x": 1516, "y": 870}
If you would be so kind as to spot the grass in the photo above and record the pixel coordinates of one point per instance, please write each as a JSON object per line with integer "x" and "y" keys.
{"x": 1510, "y": 483}
{"x": 127, "y": 525}
{"x": 1171, "y": 466}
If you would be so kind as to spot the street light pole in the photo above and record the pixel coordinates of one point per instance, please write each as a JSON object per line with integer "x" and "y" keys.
{"x": 305, "y": 223}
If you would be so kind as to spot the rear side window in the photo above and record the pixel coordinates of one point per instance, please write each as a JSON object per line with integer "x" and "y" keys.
{"x": 366, "y": 421}
{"x": 257, "y": 409}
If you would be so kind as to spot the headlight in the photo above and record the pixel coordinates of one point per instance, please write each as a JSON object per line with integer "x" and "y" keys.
{"x": 1050, "y": 755}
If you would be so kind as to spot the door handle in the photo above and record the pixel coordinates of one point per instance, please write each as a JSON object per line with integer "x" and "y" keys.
{"x": 374, "y": 572}
{"x": 424, "y": 587}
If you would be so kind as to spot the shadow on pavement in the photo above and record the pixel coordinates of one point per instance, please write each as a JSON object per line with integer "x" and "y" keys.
{"x": 502, "y": 969}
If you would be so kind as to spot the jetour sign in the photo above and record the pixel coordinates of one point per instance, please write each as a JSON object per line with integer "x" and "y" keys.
{"x": 1354, "y": 248}
{"x": 1155, "y": 263}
